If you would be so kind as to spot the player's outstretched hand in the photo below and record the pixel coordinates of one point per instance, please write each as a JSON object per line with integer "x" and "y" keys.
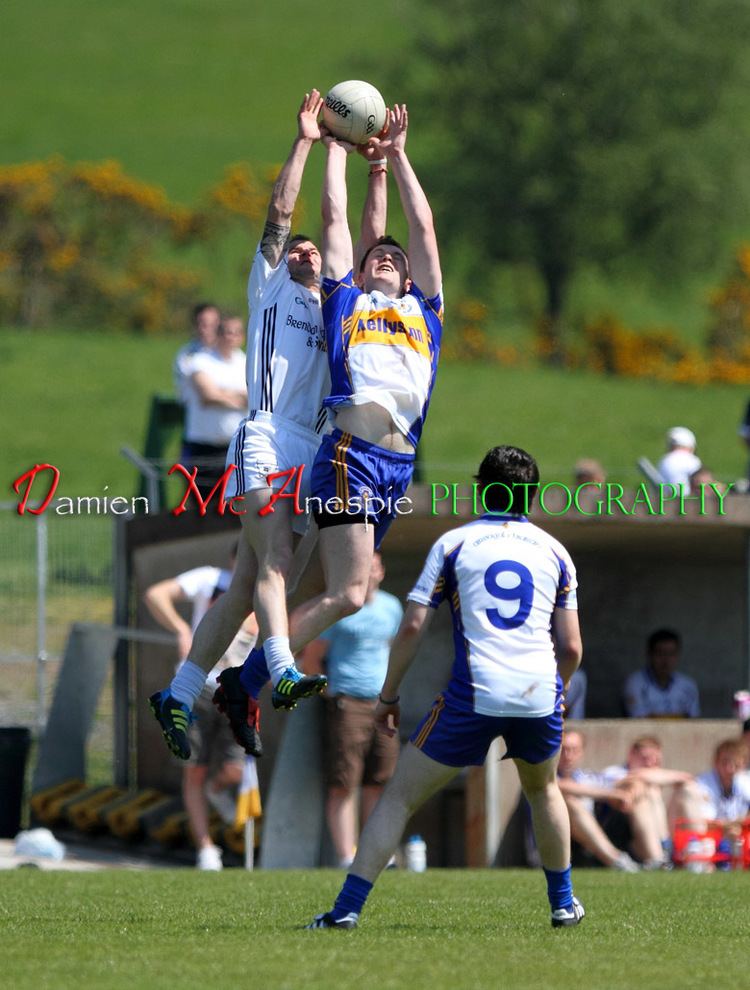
{"x": 373, "y": 151}
{"x": 393, "y": 138}
{"x": 307, "y": 116}
{"x": 329, "y": 139}
{"x": 387, "y": 718}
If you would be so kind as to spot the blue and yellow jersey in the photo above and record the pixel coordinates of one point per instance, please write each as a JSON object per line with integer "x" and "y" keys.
{"x": 382, "y": 350}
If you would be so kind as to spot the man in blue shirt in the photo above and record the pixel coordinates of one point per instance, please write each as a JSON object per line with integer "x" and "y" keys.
{"x": 355, "y": 651}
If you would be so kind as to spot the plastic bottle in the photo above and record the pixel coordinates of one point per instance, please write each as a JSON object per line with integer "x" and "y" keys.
{"x": 724, "y": 848}
{"x": 416, "y": 854}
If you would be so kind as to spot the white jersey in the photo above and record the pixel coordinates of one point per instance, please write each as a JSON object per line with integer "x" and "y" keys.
{"x": 503, "y": 577}
{"x": 213, "y": 424}
{"x": 287, "y": 366}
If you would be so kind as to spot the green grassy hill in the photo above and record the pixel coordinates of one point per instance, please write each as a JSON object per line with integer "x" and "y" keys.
{"x": 178, "y": 90}
{"x": 73, "y": 399}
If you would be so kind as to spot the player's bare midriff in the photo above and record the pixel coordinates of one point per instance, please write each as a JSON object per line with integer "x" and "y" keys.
{"x": 373, "y": 423}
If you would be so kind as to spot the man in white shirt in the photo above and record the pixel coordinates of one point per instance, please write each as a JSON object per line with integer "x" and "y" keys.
{"x": 659, "y": 690}
{"x": 720, "y": 795}
{"x": 206, "y": 319}
{"x": 215, "y": 402}
{"x": 680, "y": 460}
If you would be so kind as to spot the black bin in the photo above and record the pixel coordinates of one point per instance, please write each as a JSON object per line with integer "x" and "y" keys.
{"x": 14, "y": 748}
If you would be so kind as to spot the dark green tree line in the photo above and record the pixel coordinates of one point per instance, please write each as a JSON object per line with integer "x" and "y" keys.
{"x": 566, "y": 132}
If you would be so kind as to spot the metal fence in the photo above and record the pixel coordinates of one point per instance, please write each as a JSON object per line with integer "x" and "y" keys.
{"x": 56, "y": 569}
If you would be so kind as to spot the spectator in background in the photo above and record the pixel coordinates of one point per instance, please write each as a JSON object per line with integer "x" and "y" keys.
{"x": 587, "y": 471}
{"x": 643, "y": 775}
{"x": 703, "y": 477}
{"x": 216, "y": 401}
{"x": 720, "y": 795}
{"x": 216, "y": 761}
{"x": 205, "y": 319}
{"x": 680, "y": 460}
{"x": 659, "y": 690}
{"x": 580, "y": 789}
{"x": 355, "y": 653}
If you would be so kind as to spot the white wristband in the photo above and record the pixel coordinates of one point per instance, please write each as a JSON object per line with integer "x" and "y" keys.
{"x": 380, "y": 161}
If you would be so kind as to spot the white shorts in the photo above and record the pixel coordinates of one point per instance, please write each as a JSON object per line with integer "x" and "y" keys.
{"x": 265, "y": 444}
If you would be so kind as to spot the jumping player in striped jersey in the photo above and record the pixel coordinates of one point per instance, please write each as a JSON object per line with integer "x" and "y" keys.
{"x": 383, "y": 331}
{"x": 511, "y": 589}
{"x": 287, "y": 381}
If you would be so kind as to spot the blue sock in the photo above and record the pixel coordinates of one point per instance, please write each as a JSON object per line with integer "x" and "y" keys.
{"x": 559, "y": 888}
{"x": 254, "y": 673}
{"x": 352, "y": 896}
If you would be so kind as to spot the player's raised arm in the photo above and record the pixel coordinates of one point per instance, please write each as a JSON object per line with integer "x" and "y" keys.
{"x": 336, "y": 239}
{"x": 287, "y": 186}
{"x": 424, "y": 259}
{"x": 376, "y": 203}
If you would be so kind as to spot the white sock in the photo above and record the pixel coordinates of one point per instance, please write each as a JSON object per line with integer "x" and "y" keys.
{"x": 188, "y": 683}
{"x": 278, "y": 657}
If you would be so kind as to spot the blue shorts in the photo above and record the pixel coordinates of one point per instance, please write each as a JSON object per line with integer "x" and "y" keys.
{"x": 458, "y": 738}
{"x": 355, "y": 481}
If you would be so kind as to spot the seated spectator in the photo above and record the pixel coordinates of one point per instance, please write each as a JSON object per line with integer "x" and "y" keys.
{"x": 206, "y": 319}
{"x": 680, "y": 460}
{"x": 720, "y": 795}
{"x": 587, "y": 470}
{"x": 647, "y": 829}
{"x": 214, "y": 770}
{"x": 580, "y": 789}
{"x": 216, "y": 403}
{"x": 705, "y": 478}
{"x": 659, "y": 690}
{"x": 575, "y": 696}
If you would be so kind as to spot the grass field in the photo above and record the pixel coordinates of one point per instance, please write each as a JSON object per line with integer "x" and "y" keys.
{"x": 73, "y": 399}
{"x": 443, "y": 929}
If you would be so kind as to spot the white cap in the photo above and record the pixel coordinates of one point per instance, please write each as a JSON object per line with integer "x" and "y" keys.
{"x": 681, "y": 436}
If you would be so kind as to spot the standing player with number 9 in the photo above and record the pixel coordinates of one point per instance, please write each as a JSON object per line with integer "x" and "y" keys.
{"x": 511, "y": 589}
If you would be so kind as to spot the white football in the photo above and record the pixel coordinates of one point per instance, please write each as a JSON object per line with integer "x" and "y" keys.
{"x": 354, "y": 111}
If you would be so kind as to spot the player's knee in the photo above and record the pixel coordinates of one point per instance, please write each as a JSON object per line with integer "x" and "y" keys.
{"x": 349, "y": 600}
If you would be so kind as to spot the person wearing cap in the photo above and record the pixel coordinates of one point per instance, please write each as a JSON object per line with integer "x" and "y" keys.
{"x": 658, "y": 690}
{"x": 680, "y": 461}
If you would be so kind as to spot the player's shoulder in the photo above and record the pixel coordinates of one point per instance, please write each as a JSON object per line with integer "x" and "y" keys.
{"x": 339, "y": 288}
{"x": 452, "y": 539}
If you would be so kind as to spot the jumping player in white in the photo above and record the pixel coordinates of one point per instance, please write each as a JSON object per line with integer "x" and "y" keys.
{"x": 511, "y": 589}
{"x": 287, "y": 380}
{"x": 383, "y": 332}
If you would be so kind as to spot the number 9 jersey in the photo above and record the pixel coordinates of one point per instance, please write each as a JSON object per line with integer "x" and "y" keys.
{"x": 502, "y": 577}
